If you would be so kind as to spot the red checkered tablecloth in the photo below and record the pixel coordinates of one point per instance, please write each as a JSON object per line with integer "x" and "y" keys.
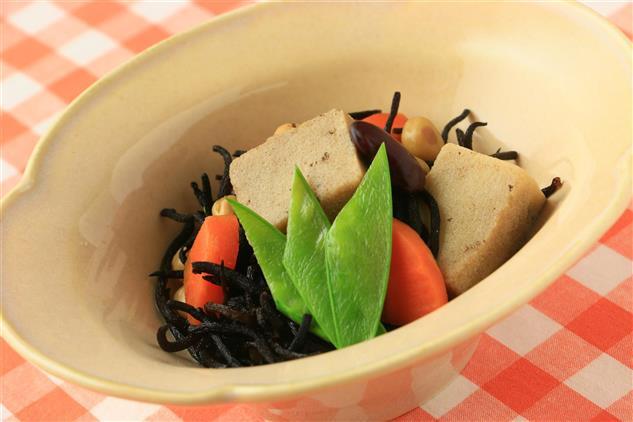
{"x": 574, "y": 357}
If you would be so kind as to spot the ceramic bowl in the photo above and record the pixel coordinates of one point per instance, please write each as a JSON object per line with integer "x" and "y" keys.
{"x": 81, "y": 231}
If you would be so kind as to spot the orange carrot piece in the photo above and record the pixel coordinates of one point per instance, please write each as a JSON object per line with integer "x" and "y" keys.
{"x": 416, "y": 285}
{"x": 380, "y": 119}
{"x": 217, "y": 241}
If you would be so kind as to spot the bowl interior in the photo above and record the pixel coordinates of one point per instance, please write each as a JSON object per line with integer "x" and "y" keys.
{"x": 82, "y": 233}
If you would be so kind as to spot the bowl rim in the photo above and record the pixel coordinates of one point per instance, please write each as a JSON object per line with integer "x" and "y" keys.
{"x": 254, "y": 393}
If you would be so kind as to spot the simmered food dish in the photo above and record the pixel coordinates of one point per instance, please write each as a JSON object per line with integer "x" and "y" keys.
{"x": 334, "y": 231}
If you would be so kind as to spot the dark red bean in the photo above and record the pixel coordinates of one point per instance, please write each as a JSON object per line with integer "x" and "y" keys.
{"x": 405, "y": 170}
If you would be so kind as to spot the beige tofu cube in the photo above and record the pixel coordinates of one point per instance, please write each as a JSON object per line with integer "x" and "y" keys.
{"x": 323, "y": 150}
{"x": 487, "y": 207}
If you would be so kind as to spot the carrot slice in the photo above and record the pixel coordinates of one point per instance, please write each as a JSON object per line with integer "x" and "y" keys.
{"x": 416, "y": 285}
{"x": 380, "y": 119}
{"x": 217, "y": 241}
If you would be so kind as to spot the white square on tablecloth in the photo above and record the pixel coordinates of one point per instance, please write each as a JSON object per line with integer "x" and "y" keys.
{"x": 603, "y": 381}
{"x": 16, "y": 89}
{"x": 454, "y": 393}
{"x": 43, "y": 125}
{"x": 155, "y": 11}
{"x": 54, "y": 379}
{"x": 6, "y": 170}
{"x": 86, "y": 47}
{"x": 36, "y": 16}
{"x": 4, "y": 413}
{"x": 113, "y": 409}
{"x": 601, "y": 270}
{"x": 604, "y": 7}
{"x": 524, "y": 329}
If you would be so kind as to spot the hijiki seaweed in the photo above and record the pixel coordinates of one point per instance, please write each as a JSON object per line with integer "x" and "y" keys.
{"x": 553, "y": 187}
{"x": 465, "y": 139}
{"x": 247, "y": 329}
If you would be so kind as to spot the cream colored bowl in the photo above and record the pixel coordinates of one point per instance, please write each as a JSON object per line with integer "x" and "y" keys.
{"x": 81, "y": 231}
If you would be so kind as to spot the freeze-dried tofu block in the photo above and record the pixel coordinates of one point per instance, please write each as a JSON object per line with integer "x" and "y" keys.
{"x": 323, "y": 150}
{"x": 487, "y": 207}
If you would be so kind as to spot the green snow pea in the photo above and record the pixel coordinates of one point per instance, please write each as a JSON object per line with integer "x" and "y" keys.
{"x": 304, "y": 256}
{"x": 358, "y": 255}
{"x": 268, "y": 244}
{"x": 336, "y": 273}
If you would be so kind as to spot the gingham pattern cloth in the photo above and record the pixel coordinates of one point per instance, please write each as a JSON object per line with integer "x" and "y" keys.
{"x": 574, "y": 357}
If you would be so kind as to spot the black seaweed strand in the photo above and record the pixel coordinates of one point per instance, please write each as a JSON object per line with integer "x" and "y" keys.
{"x": 233, "y": 277}
{"x": 360, "y": 115}
{"x": 225, "y": 352}
{"x": 207, "y": 194}
{"x": 229, "y": 312}
{"x": 270, "y": 311}
{"x": 414, "y": 219}
{"x": 197, "y": 313}
{"x": 225, "y": 182}
{"x": 199, "y": 216}
{"x": 176, "y": 345}
{"x": 468, "y": 136}
{"x": 553, "y": 187}
{"x": 434, "y": 230}
{"x": 245, "y": 252}
{"x": 286, "y": 353}
{"x": 199, "y": 194}
{"x": 408, "y": 209}
{"x": 300, "y": 338}
{"x": 460, "y": 136}
{"x": 400, "y": 204}
{"x": 453, "y": 122}
{"x": 505, "y": 155}
{"x": 172, "y": 274}
{"x": 207, "y": 327}
{"x": 395, "y": 104}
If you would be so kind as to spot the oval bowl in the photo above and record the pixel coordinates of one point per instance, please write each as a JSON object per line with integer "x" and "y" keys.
{"x": 81, "y": 231}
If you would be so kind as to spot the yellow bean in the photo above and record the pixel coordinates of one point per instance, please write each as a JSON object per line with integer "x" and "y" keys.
{"x": 421, "y": 138}
{"x": 179, "y": 294}
{"x": 222, "y": 207}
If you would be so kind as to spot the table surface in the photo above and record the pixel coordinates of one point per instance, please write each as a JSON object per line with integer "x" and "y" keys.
{"x": 573, "y": 360}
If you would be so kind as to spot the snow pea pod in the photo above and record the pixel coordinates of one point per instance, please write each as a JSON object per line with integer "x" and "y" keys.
{"x": 358, "y": 255}
{"x": 304, "y": 256}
